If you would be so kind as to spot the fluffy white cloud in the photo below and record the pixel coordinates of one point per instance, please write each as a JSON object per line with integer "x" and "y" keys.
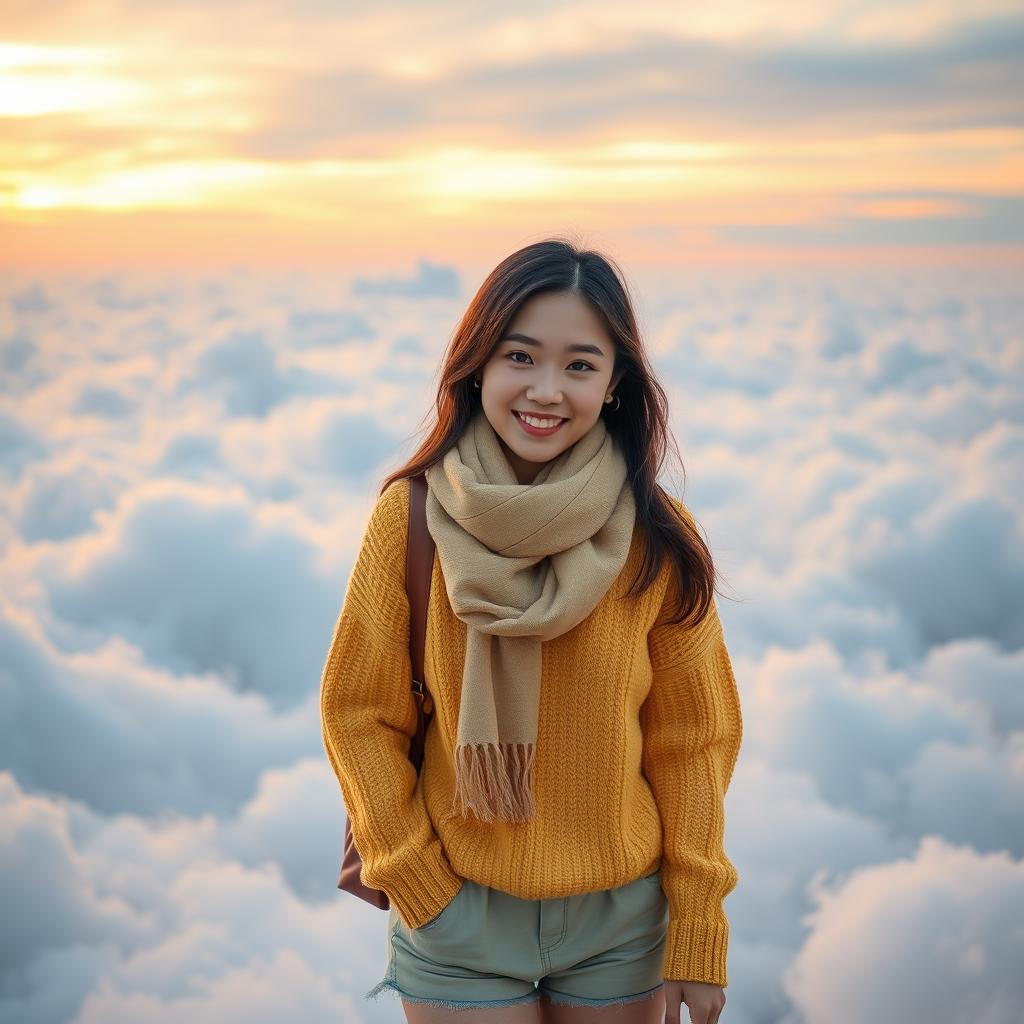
{"x": 935, "y": 936}
{"x": 109, "y": 729}
{"x": 188, "y": 470}
{"x": 125, "y": 919}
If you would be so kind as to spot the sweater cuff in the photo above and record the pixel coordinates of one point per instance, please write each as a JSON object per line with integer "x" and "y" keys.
{"x": 696, "y": 950}
{"x": 424, "y": 887}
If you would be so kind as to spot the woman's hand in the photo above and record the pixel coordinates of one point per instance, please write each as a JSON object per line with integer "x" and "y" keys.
{"x": 704, "y": 1001}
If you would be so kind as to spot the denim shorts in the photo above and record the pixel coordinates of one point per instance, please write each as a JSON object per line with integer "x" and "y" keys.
{"x": 490, "y": 948}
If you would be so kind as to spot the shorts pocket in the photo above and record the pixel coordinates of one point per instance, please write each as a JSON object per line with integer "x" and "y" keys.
{"x": 444, "y": 910}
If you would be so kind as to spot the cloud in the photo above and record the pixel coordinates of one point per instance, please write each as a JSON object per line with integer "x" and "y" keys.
{"x": 244, "y": 371}
{"x": 935, "y": 936}
{"x": 571, "y": 82}
{"x": 16, "y": 354}
{"x": 900, "y": 751}
{"x": 59, "y": 499}
{"x": 311, "y": 328}
{"x": 19, "y": 445}
{"x": 171, "y": 576}
{"x": 106, "y": 402}
{"x": 430, "y": 281}
{"x": 979, "y": 675}
{"x": 125, "y": 920}
{"x": 199, "y": 585}
{"x": 108, "y": 730}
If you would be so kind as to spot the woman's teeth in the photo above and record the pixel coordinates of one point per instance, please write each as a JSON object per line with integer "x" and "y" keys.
{"x": 535, "y": 422}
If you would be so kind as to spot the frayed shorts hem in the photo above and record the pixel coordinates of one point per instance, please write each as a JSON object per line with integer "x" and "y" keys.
{"x": 555, "y": 997}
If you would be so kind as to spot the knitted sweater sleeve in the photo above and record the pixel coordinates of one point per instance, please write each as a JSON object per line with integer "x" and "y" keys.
{"x": 368, "y": 717}
{"x": 692, "y": 729}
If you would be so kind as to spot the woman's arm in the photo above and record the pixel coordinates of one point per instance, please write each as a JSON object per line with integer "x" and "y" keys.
{"x": 692, "y": 726}
{"x": 368, "y": 715}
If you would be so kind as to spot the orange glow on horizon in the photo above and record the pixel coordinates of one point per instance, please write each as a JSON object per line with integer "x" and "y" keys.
{"x": 282, "y": 143}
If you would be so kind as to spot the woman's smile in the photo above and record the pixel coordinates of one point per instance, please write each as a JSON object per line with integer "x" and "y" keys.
{"x": 536, "y": 431}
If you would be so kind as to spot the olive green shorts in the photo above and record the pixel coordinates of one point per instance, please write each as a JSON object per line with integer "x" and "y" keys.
{"x": 490, "y": 948}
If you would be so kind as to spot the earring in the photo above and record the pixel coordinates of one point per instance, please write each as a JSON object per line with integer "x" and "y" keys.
{"x": 618, "y": 403}
{"x": 476, "y": 383}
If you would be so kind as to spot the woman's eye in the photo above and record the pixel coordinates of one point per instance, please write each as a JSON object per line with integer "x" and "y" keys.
{"x": 573, "y": 363}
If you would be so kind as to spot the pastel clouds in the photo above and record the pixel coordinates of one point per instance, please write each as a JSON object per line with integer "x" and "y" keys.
{"x": 187, "y": 468}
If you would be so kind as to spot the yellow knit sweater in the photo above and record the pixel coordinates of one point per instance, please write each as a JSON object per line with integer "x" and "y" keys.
{"x": 638, "y": 735}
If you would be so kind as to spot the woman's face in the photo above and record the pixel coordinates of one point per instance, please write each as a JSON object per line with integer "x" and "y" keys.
{"x": 547, "y": 377}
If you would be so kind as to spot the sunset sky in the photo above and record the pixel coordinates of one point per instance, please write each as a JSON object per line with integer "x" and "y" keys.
{"x": 235, "y": 242}
{"x": 303, "y": 134}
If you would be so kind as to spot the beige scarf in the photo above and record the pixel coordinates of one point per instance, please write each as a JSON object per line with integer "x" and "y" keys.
{"x": 522, "y": 563}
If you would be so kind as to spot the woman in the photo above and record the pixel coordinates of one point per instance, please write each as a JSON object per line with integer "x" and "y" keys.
{"x": 561, "y": 850}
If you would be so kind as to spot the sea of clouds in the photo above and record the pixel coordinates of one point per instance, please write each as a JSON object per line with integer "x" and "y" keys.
{"x": 187, "y": 469}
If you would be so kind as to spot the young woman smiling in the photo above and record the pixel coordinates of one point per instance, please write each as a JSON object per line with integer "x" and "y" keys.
{"x": 560, "y": 854}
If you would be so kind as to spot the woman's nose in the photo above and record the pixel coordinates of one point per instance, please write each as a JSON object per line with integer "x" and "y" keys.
{"x": 544, "y": 390}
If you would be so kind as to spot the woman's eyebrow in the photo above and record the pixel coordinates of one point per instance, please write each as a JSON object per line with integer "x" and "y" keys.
{"x": 576, "y": 347}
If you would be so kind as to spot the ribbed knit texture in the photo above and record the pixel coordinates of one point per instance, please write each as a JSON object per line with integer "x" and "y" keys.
{"x": 639, "y": 732}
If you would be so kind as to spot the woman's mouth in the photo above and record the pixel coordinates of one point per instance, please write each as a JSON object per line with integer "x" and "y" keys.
{"x": 537, "y": 431}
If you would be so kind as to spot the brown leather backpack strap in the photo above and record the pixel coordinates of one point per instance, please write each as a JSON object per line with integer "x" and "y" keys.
{"x": 419, "y": 565}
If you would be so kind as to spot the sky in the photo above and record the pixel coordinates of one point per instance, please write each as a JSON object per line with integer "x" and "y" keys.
{"x": 233, "y": 250}
{"x": 339, "y": 135}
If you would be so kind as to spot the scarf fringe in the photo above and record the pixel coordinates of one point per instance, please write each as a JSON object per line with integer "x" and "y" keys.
{"x": 494, "y": 781}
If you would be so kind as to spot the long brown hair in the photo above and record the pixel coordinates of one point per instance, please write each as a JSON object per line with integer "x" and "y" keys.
{"x": 639, "y": 424}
